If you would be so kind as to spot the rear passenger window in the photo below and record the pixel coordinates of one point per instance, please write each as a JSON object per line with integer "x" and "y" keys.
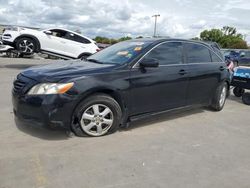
{"x": 76, "y": 38}
{"x": 81, "y": 39}
{"x": 167, "y": 53}
{"x": 197, "y": 53}
{"x": 215, "y": 58}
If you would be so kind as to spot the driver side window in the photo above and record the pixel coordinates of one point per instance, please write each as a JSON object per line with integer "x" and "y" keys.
{"x": 167, "y": 53}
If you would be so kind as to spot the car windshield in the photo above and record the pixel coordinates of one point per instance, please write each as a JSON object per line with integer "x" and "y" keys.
{"x": 119, "y": 53}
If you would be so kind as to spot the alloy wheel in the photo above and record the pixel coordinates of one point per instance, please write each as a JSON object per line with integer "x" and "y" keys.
{"x": 26, "y": 46}
{"x": 223, "y": 96}
{"x": 97, "y": 119}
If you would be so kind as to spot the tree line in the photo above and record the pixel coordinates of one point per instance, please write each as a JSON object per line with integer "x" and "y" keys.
{"x": 226, "y": 37}
{"x": 105, "y": 40}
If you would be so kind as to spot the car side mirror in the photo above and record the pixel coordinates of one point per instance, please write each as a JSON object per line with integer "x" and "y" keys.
{"x": 150, "y": 62}
{"x": 48, "y": 32}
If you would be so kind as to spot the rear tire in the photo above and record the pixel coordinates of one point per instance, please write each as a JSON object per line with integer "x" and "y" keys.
{"x": 97, "y": 115}
{"x": 219, "y": 98}
{"x": 83, "y": 56}
{"x": 238, "y": 92}
{"x": 246, "y": 98}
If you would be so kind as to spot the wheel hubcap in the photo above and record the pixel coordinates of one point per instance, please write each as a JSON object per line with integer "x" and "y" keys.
{"x": 97, "y": 120}
{"x": 26, "y": 46}
{"x": 223, "y": 96}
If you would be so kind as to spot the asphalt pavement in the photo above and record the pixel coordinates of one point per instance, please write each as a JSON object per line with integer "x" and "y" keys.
{"x": 192, "y": 149}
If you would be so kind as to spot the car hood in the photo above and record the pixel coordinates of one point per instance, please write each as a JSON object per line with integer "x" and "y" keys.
{"x": 57, "y": 71}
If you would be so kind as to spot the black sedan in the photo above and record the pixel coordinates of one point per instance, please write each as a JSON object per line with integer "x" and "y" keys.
{"x": 128, "y": 80}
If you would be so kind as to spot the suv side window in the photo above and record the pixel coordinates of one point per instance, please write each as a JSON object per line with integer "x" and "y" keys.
{"x": 167, "y": 53}
{"x": 197, "y": 53}
{"x": 76, "y": 38}
{"x": 58, "y": 33}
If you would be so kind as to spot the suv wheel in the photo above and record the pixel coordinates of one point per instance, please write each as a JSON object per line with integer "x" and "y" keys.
{"x": 97, "y": 115}
{"x": 246, "y": 98}
{"x": 219, "y": 98}
{"x": 238, "y": 92}
{"x": 26, "y": 45}
{"x": 83, "y": 56}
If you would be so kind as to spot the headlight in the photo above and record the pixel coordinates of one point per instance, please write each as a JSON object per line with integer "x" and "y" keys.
{"x": 50, "y": 88}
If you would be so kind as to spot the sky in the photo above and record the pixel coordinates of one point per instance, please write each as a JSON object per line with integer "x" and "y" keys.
{"x": 116, "y": 18}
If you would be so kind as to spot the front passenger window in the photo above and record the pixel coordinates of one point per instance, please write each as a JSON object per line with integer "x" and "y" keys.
{"x": 167, "y": 53}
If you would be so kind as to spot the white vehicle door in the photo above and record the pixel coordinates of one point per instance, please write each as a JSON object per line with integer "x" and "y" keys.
{"x": 55, "y": 41}
{"x": 77, "y": 45}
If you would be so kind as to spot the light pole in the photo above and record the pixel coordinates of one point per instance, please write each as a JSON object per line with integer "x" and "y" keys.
{"x": 155, "y": 16}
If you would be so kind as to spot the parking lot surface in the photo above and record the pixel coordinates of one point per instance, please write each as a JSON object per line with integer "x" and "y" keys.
{"x": 195, "y": 148}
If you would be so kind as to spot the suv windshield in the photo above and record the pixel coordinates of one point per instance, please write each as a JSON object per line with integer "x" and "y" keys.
{"x": 119, "y": 53}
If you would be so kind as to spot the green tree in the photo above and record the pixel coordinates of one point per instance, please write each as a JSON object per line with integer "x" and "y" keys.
{"x": 214, "y": 35}
{"x": 139, "y": 37}
{"x": 227, "y": 37}
{"x": 124, "y": 38}
{"x": 106, "y": 40}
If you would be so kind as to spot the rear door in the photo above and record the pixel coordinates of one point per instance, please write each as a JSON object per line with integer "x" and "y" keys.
{"x": 160, "y": 88}
{"x": 77, "y": 45}
{"x": 205, "y": 69}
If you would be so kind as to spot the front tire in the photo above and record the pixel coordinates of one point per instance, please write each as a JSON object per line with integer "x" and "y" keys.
{"x": 83, "y": 56}
{"x": 97, "y": 115}
{"x": 219, "y": 97}
{"x": 238, "y": 92}
{"x": 26, "y": 45}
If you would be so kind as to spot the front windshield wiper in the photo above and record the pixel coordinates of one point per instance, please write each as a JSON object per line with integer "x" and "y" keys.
{"x": 94, "y": 61}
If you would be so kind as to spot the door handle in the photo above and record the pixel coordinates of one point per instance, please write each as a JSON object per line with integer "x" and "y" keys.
{"x": 222, "y": 68}
{"x": 182, "y": 72}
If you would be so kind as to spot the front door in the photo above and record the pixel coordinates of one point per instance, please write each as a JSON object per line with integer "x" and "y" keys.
{"x": 160, "y": 88}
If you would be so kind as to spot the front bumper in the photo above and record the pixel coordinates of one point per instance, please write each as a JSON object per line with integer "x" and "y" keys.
{"x": 52, "y": 111}
{"x": 49, "y": 111}
{"x": 10, "y": 43}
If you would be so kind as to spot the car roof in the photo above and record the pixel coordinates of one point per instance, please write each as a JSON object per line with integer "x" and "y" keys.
{"x": 159, "y": 40}
{"x": 212, "y": 45}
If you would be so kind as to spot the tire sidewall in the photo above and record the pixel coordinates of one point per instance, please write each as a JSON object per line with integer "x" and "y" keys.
{"x": 216, "y": 100}
{"x": 224, "y": 85}
{"x": 29, "y": 39}
{"x": 238, "y": 92}
{"x": 246, "y": 98}
{"x": 98, "y": 99}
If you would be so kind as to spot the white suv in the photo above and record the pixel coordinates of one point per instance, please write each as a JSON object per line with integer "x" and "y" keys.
{"x": 59, "y": 42}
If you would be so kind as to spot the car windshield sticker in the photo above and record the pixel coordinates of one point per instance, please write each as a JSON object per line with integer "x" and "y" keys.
{"x": 122, "y": 53}
{"x": 138, "y": 48}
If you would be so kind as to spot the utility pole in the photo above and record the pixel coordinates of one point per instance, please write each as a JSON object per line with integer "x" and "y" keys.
{"x": 155, "y": 16}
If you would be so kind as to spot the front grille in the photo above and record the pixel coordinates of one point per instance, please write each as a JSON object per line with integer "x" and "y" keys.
{"x": 18, "y": 86}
